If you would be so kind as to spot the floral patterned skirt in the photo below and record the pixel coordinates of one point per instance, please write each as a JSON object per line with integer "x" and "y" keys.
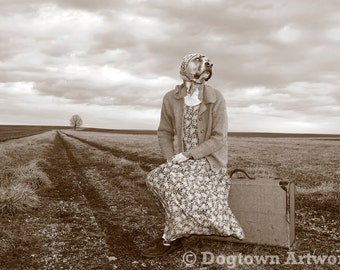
{"x": 195, "y": 199}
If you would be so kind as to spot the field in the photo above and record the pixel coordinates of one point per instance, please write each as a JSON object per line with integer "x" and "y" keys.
{"x": 10, "y": 132}
{"x": 78, "y": 200}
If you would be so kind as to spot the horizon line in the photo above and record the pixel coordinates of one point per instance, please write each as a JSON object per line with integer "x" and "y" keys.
{"x": 150, "y": 131}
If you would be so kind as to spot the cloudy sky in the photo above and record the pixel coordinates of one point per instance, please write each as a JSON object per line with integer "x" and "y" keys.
{"x": 277, "y": 63}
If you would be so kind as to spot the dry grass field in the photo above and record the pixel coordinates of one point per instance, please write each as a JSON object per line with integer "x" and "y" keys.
{"x": 78, "y": 200}
{"x": 10, "y": 132}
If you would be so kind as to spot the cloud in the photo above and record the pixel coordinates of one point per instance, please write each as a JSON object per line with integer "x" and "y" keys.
{"x": 274, "y": 60}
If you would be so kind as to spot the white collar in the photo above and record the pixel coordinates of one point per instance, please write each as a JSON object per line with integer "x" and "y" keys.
{"x": 192, "y": 100}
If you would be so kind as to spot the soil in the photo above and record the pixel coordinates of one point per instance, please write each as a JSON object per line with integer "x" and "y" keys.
{"x": 99, "y": 215}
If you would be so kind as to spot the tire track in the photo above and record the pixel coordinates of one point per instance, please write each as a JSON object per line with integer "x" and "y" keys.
{"x": 62, "y": 232}
{"x": 118, "y": 240}
{"x": 146, "y": 163}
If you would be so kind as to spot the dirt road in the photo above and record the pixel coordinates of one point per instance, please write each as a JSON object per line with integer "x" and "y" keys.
{"x": 99, "y": 215}
{"x": 90, "y": 219}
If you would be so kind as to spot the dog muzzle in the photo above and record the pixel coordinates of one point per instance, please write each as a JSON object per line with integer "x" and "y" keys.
{"x": 196, "y": 68}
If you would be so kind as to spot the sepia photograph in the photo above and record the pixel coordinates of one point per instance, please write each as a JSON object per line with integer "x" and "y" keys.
{"x": 140, "y": 134}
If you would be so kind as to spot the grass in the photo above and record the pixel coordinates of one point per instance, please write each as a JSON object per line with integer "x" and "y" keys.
{"x": 323, "y": 188}
{"x": 32, "y": 175}
{"x": 21, "y": 175}
{"x": 9, "y": 132}
{"x": 17, "y": 197}
{"x": 312, "y": 163}
{"x": 143, "y": 145}
{"x": 307, "y": 161}
{"x": 127, "y": 214}
{"x": 21, "y": 179}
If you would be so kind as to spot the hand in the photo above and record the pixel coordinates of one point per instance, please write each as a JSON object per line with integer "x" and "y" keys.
{"x": 179, "y": 158}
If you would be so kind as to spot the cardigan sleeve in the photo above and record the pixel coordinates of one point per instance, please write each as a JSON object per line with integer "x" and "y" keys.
{"x": 165, "y": 131}
{"x": 218, "y": 136}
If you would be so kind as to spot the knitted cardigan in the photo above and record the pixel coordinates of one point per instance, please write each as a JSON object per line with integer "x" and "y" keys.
{"x": 212, "y": 127}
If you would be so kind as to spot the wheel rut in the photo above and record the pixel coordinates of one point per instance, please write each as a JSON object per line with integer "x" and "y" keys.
{"x": 146, "y": 163}
{"x": 119, "y": 241}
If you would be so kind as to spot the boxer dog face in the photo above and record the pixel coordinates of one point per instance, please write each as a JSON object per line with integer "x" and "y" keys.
{"x": 199, "y": 68}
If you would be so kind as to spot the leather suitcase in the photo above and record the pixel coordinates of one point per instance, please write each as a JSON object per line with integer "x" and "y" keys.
{"x": 265, "y": 209}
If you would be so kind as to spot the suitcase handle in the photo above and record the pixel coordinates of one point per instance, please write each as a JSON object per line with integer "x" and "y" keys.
{"x": 242, "y": 171}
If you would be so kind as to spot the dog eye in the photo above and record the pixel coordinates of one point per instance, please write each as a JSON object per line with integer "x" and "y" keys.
{"x": 198, "y": 59}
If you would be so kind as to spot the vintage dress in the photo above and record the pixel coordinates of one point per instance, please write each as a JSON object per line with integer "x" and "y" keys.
{"x": 193, "y": 196}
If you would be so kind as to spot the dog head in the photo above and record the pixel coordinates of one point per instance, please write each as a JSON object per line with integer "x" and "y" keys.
{"x": 196, "y": 68}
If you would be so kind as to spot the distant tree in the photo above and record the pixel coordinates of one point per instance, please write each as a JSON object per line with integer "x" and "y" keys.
{"x": 76, "y": 121}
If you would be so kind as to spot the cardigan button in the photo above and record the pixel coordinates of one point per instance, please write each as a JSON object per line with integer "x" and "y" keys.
{"x": 200, "y": 119}
{"x": 202, "y": 131}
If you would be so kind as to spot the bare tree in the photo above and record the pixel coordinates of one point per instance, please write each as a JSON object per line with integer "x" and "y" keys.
{"x": 76, "y": 121}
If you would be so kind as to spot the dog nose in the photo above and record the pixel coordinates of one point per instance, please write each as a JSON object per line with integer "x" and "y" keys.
{"x": 207, "y": 64}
